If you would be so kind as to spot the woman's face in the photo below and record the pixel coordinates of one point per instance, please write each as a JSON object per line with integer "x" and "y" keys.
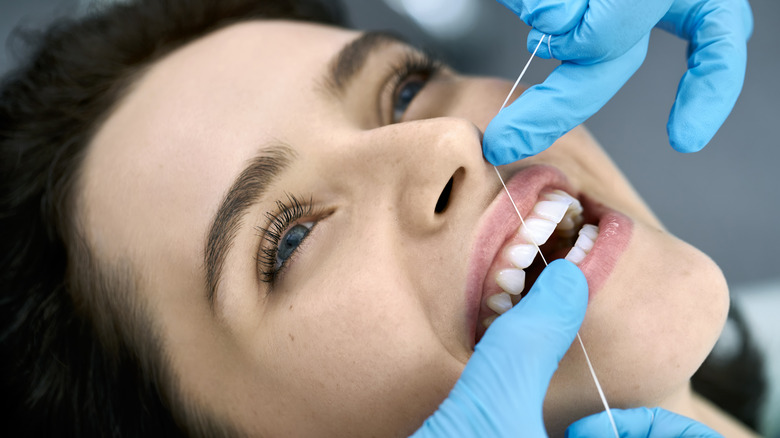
{"x": 280, "y": 189}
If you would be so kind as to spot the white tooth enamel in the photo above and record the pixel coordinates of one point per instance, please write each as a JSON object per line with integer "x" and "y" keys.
{"x": 554, "y": 197}
{"x": 521, "y": 255}
{"x": 556, "y": 210}
{"x": 563, "y": 194}
{"x": 512, "y": 281}
{"x": 576, "y": 255}
{"x": 584, "y": 242}
{"x": 551, "y": 210}
{"x": 537, "y": 230}
{"x": 489, "y": 320}
{"x": 591, "y": 231}
{"x": 575, "y": 206}
{"x": 500, "y": 303}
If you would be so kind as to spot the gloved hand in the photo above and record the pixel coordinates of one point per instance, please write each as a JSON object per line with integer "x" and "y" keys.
{"x": 641, "y": 423}
{"x": 501, "y": 391}
{"x": 602, "y": 43}
{"x": 502, "y": 388}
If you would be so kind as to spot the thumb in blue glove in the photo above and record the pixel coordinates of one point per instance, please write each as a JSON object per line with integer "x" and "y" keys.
{"x": 502, "y": 388}
{"x": 641, "y": 423}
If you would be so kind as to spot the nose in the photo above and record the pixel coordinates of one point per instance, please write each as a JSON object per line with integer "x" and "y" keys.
{"x": 421, "y": 169}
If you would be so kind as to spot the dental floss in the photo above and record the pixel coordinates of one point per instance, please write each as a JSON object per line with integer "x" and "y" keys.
{"x": 522, "y": 73}
{"x": 539, "y": 250}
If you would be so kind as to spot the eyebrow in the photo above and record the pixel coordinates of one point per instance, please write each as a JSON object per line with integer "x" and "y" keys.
{"x": 247, "y": 189}
{"x": 352, "y": 58}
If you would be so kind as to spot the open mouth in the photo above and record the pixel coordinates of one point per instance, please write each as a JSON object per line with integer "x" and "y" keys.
{"x": 505, "y": 261}
{"x": 558, "y": 226}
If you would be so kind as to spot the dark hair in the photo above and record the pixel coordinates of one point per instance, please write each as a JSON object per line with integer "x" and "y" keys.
{"x": 78, "y": 355}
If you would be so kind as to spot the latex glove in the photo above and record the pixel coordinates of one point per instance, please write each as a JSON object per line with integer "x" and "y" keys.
{"x": 641, "y": 423}
{"x": 602, "y": 43}
{"x": 502, "y": 388}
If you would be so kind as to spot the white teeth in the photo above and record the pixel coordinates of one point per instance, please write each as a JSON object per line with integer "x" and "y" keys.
{"x": 571, "y": 220}
{"x": 512, "y": 281}
{"x": 575, "y": 203}
{"x": 558, "y": 196}
{"x": 521, "y": 255}
{"x": 589, "y": 230}
{"x": 500, "y": 303}
{"x": 558, "y": 212}
{"x": 576, "y": 255}
{"x": 551, "y": 210}
{"x": 537, "y": 230}
{"x": 584, "y": 244}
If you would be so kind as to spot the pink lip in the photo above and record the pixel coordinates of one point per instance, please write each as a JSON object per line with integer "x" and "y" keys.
{"x": 500, "y": 223}
{"x": 615, "y": 231}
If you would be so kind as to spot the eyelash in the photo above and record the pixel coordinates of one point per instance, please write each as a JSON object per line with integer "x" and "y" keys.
{"x": 286, "y": 214}
{"x": 411, "y": 64}
{"x": 292, "y": 209}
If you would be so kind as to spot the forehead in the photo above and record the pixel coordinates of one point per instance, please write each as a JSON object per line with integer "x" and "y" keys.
{"x": 167, "y": 153}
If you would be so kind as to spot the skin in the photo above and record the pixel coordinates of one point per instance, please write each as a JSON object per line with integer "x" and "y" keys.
{"x": 365, "y": 331}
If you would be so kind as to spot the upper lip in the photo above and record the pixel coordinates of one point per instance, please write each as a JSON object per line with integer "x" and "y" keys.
{"x": 499, "y": 223}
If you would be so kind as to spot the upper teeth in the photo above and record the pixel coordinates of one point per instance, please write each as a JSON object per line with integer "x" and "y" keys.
{"x": 556, "y": 211}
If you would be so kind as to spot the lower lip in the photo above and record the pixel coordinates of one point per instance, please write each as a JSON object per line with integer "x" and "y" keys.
{"x": 615, "y": 231}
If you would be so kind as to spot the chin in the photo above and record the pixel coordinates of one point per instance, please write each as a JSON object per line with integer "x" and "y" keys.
{"x": 647, "y": 331}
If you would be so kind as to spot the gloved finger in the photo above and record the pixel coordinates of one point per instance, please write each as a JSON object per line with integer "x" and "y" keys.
{"x": 718, "y": 34}
{"x": 569, "y": 95}
{"x": 549, "y": 16}
{"x": 528, "y": 341}
{"x": 608, "y": 29}
{"x": 641, "y": 423}
{"x": 547, "y": 319}
{"x": 502, "y": 388}
{"x": 747, "y": 18}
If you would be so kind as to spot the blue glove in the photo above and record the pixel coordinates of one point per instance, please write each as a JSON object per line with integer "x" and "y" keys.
{"x": 602, "y": 43}
{"x": 641, "y": 423}
{"x": 502, "y": 388}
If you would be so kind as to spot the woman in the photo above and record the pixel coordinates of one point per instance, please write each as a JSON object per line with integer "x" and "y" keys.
{"x": 282, "y": 228}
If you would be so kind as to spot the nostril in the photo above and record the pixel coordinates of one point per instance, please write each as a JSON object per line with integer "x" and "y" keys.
{"x": 444, "y": 198}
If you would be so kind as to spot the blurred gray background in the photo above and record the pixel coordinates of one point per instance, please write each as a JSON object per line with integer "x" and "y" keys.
{"x": 723, "y": 199}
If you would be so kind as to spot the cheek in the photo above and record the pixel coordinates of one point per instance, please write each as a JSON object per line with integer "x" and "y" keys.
{"x": 670, "y": 300}
{"x": 648, "y": 329}
{"x": 353, "y": 345}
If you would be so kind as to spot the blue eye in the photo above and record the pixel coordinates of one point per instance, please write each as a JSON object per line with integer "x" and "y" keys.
{"x": 283, "y": 236}
{"x": 290, "y": 242}
{"x": 404, "y": 97}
